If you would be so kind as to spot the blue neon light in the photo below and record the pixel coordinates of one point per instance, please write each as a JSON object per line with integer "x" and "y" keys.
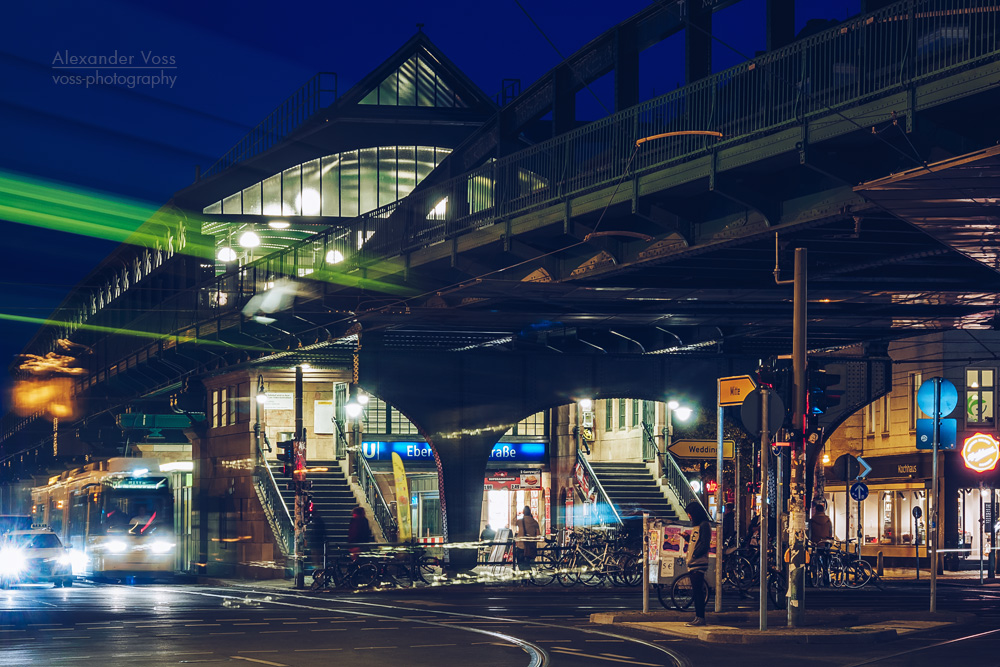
{"x": 525, "y": 452}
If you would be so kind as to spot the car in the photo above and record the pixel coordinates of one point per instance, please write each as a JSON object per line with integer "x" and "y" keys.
{"x": 34, "y": 555}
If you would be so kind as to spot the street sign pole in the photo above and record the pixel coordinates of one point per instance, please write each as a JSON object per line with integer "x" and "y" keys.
{"x": 797, "y": 466}
{"x": 763, "y": 542}
{"x": 933, "y": 532}
{"x": 719, "y": 495}
{"x": 645, "y": 562}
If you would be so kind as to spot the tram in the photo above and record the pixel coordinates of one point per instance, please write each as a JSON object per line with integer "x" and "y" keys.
{"x": 116, "y": 516}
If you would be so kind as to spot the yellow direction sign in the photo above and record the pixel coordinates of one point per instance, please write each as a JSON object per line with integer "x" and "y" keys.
{"x": 701, "y": 449}
{"x": 733, "y": 390}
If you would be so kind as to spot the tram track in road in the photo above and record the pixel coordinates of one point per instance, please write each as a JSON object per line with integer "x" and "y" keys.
{"x": 676, "y": 659}
{"x": 907, "y": 656}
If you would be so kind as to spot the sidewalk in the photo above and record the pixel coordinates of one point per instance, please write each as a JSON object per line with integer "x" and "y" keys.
{"x": 821, "y": 627}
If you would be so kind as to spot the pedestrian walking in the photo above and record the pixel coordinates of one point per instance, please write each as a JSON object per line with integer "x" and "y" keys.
{"x": 525, "y": 549}
{"x": 697, "y": 557}
{"x": 316, "y": 541}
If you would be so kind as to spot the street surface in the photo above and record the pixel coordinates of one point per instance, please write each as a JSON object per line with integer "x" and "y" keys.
{"x": 154, "y": 625}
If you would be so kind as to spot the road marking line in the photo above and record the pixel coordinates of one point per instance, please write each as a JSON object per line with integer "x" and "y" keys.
{"x": 604, "y": 640}
{"x": 307, "y": 650}
{"x": 95, "y": 623}
{"x": 363, "y": 629}
{"x": 231, "y": 620}
{"x": 430, "y": 645}
{"x": 283, "y": 618}
{"x": 54, "y": 629}
{"x": 329, "y": 630}
{"x": 326, "y": 618}
{"x": 200, "y": 625}
{"x": 554, "y": 641}
{"x": 263, "y": 662}
{"x": 630, "y": 661}
{"x": 67, "y": 637}
{"x": 299, "y": 623}
{"x": 369, "y": 648}
{"x": 226, "y": 633}
{"x": 251, "y": 624}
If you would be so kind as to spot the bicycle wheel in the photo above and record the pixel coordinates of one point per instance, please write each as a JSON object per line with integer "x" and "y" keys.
{"x": 740, "y": 572}
{"x": 857, "y": 573}
{"x": 428, "y": 569}
{"x": 591, "y": 575}
{"x": 566, "y": 573}
{"x": 364, "y": 575}
{"x": 682, "y": 592}
{"x": 777, "y": 589}
{"x": 543, "y": 571}
{"x": 321, "y": 580}
{"x": 629, "y": 570}
{"x": 399, "y": 573}
{"x": 663, "y": 595}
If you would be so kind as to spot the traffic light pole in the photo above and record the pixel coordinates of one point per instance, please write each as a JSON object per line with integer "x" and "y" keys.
{"x": 933, "y": 532}
{"x": 797, "y": 487}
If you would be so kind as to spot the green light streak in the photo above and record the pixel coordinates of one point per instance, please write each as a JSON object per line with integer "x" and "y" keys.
{"x": 134, "y": 332}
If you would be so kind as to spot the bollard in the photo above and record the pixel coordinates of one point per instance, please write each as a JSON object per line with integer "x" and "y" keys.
{"x": 879, "y": 565}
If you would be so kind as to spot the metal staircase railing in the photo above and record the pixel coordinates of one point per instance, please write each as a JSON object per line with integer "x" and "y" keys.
{"x": 605, "y": 509}
{"x": 678, "y": 482}
{"x": 384, "y": 515}
{"x": 275, "y": 510}
{"x": 649, "y": 449}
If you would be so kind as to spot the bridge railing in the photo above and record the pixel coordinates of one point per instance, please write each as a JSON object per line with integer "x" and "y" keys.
{"x": 288, "y": 117}
{"x": 869, "y": 56}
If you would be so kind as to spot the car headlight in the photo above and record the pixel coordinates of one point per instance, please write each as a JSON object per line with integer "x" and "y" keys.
{"x": 161, "y": 546}
{"x": 116, "y": 546}
{"x": 12, "y": 562}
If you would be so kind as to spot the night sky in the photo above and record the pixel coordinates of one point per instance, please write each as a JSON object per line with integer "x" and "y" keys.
{"x": 234, "y": 62}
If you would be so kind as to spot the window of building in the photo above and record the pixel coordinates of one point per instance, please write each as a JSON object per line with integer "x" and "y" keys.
{"x": 223, "y": 407}
{"x": 622, "y": 413}
{"x": 534, "y": 425}
{"x": 979, "y": 395}
{"x": 636, "y": 407}
{"x": 870, "y": 419}
{"x": 608, "y": 409}
{"x": 414, "y": 84}
{"x": 884, "y": 413}
{"x": 215, "y": 408}
{"x": 914, "y": 381}
{"x": 399, "y": 424}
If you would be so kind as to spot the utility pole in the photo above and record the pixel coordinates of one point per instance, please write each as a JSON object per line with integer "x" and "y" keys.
{"x": 797, "y": 482}
{"x": 298, "y": 479}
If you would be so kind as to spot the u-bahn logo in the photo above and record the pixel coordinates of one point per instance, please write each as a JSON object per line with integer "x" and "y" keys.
{"x": 370, "y": 449}
{"x": 981, "y": 452}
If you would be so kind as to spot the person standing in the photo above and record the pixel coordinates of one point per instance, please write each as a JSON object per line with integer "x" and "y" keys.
{"x": 527, "y": 530}
{"x": 358, "y": 531}
{"x": 697, "y": 557}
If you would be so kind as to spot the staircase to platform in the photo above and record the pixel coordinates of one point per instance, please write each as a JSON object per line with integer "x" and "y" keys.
{"x": 333, "y": 498}
{"x": 633, "y": 490}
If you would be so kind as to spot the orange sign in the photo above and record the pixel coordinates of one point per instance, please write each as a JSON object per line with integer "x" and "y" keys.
{"x": 733, "y": 390}
{"x": 981, "y": 452}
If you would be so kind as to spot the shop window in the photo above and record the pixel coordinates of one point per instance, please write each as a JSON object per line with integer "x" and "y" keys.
{"x": 608, "y": 409}
{"x": 973, "y": 506}
{"x": 621, "y": 413}
{"x": 979, "y": 396}
{"x": 913, "y": 413}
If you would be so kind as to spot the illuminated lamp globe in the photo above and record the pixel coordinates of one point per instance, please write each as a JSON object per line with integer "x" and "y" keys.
{"x": 352, "y": 409}
{"x": 279, "y": 224}
{"x": 362, "y": 398}
{"x": 684, "y": 414}
{"x": 262, "y": 398}
{"x": 334, "y": 257}
{"x": 673, "y": 405}
{"x": 249, "y": 240}
{"x": 696, "y": 486}
{"x": 227, "y": 254}
{"x": 586, "y": 404}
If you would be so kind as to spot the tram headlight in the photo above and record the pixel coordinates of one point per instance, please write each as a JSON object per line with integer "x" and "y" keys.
{"x": 116, "y": 546}
{"x": 12, "y": 562}
{"x": 161, "y": 546}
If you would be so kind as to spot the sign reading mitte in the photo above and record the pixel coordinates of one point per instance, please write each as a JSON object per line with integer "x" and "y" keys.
{"x": 733, "y": 390}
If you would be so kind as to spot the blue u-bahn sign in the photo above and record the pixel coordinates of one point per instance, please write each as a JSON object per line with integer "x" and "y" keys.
{"x": 525, "y": 452}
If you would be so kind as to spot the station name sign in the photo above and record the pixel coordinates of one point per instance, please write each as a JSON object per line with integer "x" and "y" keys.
{"x": 528, "y": 452}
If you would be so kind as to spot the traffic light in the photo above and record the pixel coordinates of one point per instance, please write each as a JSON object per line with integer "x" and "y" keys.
{"x": 308, "y": 508}
{"x": 824, "y": 390}
{"x": 777, "y": 375}
{"x": 286, "y": 454}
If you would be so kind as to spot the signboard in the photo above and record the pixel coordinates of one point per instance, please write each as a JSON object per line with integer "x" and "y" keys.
{"x": 750, "y": 412}
{"x": 402, "y": 496}
{"x": 733, "y": 390}
{"x": 702, "y": 449}
{"x": 859, "y": 491}
{"x": 514, "y": 452}
{"x": 981, "y": 452}
{"x": 667, "y": 567}
{"x": 279, "y": 400}
{"x": 654, "y": 555}
{"x": 947, "y": 434}
{"x": 525, "y": 480}
{"x": 948, "y": 397}
{"x": 322, "y": 417}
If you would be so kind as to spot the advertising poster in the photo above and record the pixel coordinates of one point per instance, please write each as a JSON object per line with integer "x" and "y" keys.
{"x": 654, "y": 555}
{"x": 402, "y": 498}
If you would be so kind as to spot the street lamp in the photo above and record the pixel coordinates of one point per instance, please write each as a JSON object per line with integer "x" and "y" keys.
{"x": 261, "y": 399}
{"x": 683, "y": 413}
